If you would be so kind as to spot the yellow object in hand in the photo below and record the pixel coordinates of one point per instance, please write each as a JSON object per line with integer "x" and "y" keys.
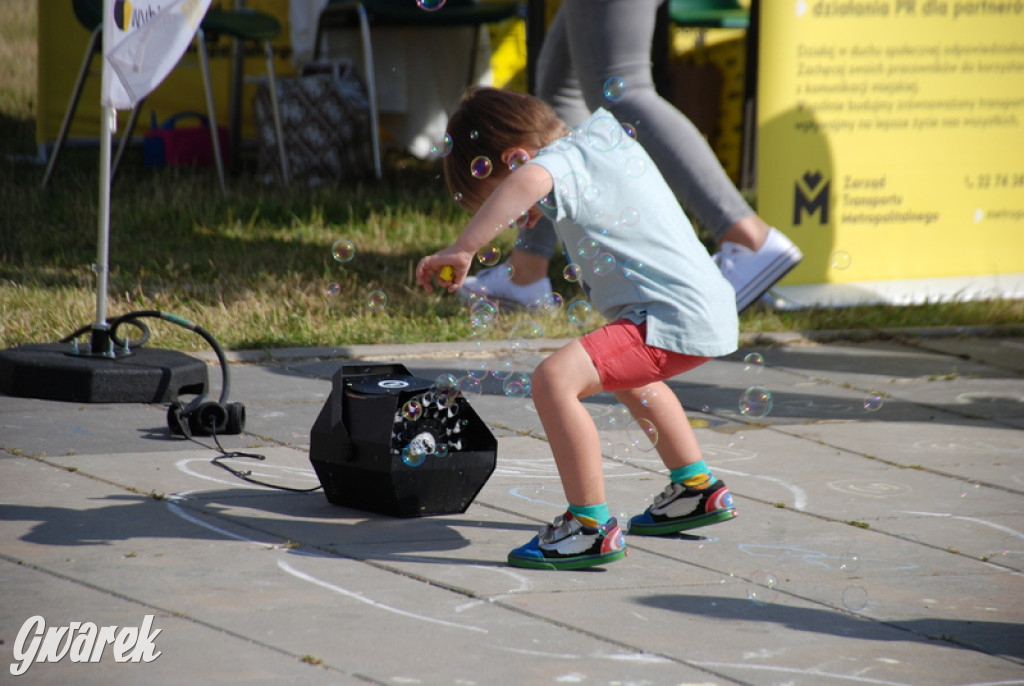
{"x": 447, "y": 273}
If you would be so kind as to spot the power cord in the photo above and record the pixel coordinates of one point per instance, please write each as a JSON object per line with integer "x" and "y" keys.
{"x": 132, "y": 318}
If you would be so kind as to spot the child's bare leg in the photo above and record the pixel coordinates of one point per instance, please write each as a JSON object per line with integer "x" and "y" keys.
{"x": 676, "y": 443}
{"x": 694, "y": 498}
{"x": 558, "y": 385}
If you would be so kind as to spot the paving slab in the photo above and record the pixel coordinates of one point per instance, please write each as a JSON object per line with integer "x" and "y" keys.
{"x": 876, "y": 543}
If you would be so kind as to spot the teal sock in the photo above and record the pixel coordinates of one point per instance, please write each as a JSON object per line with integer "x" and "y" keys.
{"x": 681, "y": 474}
{"x": 599, "y": 513}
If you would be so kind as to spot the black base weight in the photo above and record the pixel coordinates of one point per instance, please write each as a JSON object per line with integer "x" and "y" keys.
{"x": 51, "y": 371}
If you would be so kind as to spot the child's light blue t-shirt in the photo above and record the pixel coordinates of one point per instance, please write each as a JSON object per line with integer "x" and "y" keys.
{"x": 639, "y": 255}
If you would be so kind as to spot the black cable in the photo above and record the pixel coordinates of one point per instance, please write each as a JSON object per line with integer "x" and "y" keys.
{"x": 225, "y": 390}
{"x": 247, "y": 474}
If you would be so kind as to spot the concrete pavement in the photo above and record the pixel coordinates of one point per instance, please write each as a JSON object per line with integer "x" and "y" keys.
{"x": 880, "y": 537}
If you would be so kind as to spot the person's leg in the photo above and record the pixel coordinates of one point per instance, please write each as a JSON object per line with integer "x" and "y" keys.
{"x": 612, "y": 38}
{"x": 693, "y": 498}
{"x": 676, "y": 442}
{"x": 585, "y": 535}
{"x": 558, "y": 385}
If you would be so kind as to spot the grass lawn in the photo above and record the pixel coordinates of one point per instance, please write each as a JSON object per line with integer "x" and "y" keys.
{"x": 256, "y": 268}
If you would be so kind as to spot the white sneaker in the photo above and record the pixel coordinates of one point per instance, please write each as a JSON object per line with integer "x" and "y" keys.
{"x": 496, "y": 284}
{"x": 753, "y": 273}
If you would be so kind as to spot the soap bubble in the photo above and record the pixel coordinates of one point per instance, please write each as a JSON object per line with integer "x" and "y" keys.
{"x": 446, "y": 382}
{"x": 430, "y": 5}
{"x": 756, "y": 401}
{"x": 412, "y": 410}
{"x": 552, "y": 303}
{"x": 413, "y": 455}
{"x": 442, "y": 149}
{"x": 517, "y": 385}
{"x": 642, "y": 434}
{"x": 840, "y": 259}
{"x": 587, "y": 247}
{"x": 604, "y": 264}
{"x": 457, "y": 197}
{"x": 343, "y": 250}
{"x": 873, "y": 401}
{"x": 517, "y": 160}
{"x": 649, "y": 397}
{"x": 753, "y": 362}
{"x": 849, "y": 563}
{"x": 527, "y": 329}
{"x": 572, "y": 272}
{"x": 762, "y": 587}
{"x": 636, "y": 167}
{"x": 571, "y": 185}
{"x": 630, "y": 137}
{"x": 604, "y": 134}
{"x": 629, "y": 216}
{"x": 474, "y": 135}
{"x": 855, "y": 598}
{"x": 489, "y": 255}
{"x": 377, "y": 300}
{"x": 470, "y": 385}
{"x": 502, "y": 370}
{"x": 614, "y": 89}
{"x": 548, "y": 201}
{"x": 480, "y": 167}
{"x": 581, "y": 312}
{"x": 333, "y": 288}
{"x": 634, "y": 269}
{"x": 519, "y": 221}
{"x": 591, "y": 193}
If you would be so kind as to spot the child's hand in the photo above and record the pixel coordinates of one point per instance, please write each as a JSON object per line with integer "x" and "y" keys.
{"x": 449, "y": 267}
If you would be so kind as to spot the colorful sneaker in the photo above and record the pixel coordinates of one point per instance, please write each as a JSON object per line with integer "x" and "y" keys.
{"x": 680, "y": 507}
{"x": 753, "y": 273}
{"x": 496, "y": 283}
{"x": 569, "y": 543}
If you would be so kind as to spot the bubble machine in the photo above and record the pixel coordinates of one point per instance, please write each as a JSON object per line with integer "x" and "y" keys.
{"x": 388, "y": 442}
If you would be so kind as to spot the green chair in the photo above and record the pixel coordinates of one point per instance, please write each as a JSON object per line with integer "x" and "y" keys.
{"x": 709, "y": 14}
{"x": 242, "y": 24}
{"x": 365, "y": 14}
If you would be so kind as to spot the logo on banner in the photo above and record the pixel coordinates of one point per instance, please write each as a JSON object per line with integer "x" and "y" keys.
{"x": 810, "y": 197}
{"x": 127, "y": 18}
{"x": 82, "y": 642}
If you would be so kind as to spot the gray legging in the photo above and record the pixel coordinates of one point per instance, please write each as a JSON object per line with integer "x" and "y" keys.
{"x": 589, "y": 42}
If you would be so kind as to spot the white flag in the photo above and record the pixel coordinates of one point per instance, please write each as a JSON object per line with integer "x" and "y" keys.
{"x": 142, "y": 42}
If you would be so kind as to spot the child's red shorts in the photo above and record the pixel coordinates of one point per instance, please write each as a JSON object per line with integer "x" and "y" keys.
{"x": 624, "y": 360}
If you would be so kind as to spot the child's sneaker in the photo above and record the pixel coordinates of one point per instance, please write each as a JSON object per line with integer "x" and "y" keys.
{"x": 496, "y": 283}
{"x": 752, "y": 273}
{"x": 568, "y": 543}
{"x": 681, "y": 507}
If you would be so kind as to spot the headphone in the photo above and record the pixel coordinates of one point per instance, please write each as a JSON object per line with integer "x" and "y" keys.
{"x": 203, "y": 417}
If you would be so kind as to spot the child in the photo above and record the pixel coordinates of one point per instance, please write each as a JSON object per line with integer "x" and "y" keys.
{"x": 669, "y": 307}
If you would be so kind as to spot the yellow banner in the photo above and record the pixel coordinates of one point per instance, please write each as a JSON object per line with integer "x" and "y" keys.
{"x": 891, "y": 144}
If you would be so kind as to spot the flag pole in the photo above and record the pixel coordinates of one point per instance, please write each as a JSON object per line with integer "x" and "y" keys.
{"x": 100, "y": 341}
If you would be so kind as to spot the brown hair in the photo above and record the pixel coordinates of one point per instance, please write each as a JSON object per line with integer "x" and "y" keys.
{"x": 487, "y": 122}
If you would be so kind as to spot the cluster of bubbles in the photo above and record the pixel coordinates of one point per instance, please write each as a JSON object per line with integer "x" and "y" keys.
{"x": 439, "y": 435}
{"x": 344, "y": 251}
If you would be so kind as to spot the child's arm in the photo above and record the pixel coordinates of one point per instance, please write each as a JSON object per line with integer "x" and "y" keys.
{"x": 519, "y": 192}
